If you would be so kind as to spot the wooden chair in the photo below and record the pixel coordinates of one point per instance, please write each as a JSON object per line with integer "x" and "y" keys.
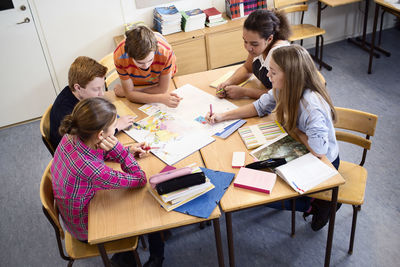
{"x": 45, "y": 130}
{"x": 74, "y": 248}
{"x": 302, "y": 31}
{"x": 111, "y": 74}
{"x": 352, "y": 192}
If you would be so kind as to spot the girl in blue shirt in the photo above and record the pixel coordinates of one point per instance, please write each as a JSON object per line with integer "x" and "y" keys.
{"x": 302, "y": 105}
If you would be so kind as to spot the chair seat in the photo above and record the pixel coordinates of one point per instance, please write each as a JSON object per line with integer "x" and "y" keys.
{"x": 78, "y": 250}
{"x": 304, "y": 31}
{"x": 352, "y": 192}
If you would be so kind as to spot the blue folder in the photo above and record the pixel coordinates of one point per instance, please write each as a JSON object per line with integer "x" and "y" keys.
{"x": 204, "y": 205}
{"x": 230, "y": 129}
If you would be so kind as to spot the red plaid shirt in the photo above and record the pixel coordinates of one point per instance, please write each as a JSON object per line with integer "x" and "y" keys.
{"x": 79, "y": 171}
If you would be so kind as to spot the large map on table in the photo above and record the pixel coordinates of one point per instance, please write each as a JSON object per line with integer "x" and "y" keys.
{"x": 178, "y": 132}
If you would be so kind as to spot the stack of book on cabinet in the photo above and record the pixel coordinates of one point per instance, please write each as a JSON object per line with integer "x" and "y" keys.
{"x": 193, "y": 20}
{"x": 175, "y": 187}
{"x": 213, "y": 17}
{"x": 167, "y": 20}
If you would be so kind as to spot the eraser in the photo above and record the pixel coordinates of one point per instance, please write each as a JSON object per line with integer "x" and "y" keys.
{"x": 238, "y": 159}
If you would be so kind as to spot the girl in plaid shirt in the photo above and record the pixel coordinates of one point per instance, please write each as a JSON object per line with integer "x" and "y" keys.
{"x": 79, "y": 168}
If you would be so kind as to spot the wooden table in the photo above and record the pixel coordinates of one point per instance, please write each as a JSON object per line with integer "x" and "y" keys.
{"x": 361, "y": 42}
{"x": 121, "y": 213}
{"x": 391, "y": 9}
{"x": 218, "y": 156}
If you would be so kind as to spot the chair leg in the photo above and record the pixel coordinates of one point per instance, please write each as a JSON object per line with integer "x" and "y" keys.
{"x": 380, "y": 29}
{"x": 137, "y": 259}
{"x": 143, "y": 241}
{"x": 301, "y": 42}
{"x": 70, "y": 262}
{"x": 353, "y": 227}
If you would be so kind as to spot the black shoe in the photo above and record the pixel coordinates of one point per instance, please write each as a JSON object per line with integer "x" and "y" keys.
{"x": 154, "y": 261}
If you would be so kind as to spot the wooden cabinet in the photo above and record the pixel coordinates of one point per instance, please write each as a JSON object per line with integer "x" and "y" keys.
{"x": 225, "y": 44}
{"x": 208, "y": 48}
{"x": 190, "y": 51}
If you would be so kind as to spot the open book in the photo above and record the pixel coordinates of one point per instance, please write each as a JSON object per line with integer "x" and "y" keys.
{"x": 305, "y": 172}
{"x": 256, "y": 135}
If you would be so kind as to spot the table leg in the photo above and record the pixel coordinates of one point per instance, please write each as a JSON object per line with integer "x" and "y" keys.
{"x": 335, "y": 191}
{"x": 217, "y": 232}
{"x": 103, "y": 255}
{"x": 228, "y": 221}
{"x": 293, "y": 201}
{"x": 316, "y": 57}
{"x": 371, "y": 53}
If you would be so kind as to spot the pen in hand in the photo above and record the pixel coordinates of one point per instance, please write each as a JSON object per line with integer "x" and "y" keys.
{"x": 211, "y": 110}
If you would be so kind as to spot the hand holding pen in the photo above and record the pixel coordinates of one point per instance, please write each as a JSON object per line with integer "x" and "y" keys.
{"x": 138, "y": 150}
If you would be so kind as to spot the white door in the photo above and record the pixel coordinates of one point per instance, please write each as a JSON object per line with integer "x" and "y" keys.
{"x": 26, "y": 88}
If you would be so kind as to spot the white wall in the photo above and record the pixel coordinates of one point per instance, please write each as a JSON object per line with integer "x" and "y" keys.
{"x": 73, "y": 28}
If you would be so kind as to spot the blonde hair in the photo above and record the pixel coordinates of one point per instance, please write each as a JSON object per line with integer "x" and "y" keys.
{"x": 300, "y": 74}
{"x": 83, "y": 70}
{"x": 140, "y": 41}
{"x": 89, "y": 117}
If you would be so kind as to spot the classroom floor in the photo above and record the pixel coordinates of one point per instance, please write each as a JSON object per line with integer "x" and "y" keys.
{"x": 261, "y": 235}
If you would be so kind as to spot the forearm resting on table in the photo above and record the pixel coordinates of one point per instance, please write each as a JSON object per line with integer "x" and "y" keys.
{"x": 239, "y": 76}
{"x": 145, "y": 94}
{"x": 246, "y": 111}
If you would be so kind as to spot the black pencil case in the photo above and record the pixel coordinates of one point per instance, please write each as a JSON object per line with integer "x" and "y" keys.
{"x": 268, "y": 163}
{"x": 180, "y": 182}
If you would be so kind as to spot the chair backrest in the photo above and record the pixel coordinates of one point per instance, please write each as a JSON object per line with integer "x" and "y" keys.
{"x": 112, "y": 74}
{"x": 289, "y": 6}
{"x": 45, "y": 130}
{"x": 356, "y": 121}
{"x": 48, "y": 203}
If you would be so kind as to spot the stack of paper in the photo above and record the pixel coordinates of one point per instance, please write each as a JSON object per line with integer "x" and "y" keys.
{"x": 167, "y": 20}
{"x": 193, "y": 19}
{"x": 305, "y": 172}
{"x": 214, "y": 17}
{"x": 177, "y": 198}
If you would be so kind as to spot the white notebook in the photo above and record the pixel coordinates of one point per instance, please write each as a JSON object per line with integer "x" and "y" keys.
{"x": 305, "y": 172}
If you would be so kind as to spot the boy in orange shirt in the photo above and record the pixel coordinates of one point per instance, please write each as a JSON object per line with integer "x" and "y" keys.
{"x": 145, "y": 58}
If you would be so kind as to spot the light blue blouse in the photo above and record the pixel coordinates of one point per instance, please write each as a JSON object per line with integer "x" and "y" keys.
{"x": 314, "y": 119}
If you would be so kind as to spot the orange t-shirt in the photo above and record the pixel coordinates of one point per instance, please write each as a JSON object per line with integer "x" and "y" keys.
{"x": 163, "y": 63}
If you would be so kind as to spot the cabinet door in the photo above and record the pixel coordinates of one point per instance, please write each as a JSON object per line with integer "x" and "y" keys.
{"x": 191, "y": 56}
{"x": 225, "y": 48}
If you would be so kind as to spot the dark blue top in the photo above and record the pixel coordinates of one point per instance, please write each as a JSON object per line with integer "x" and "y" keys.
{"x": 63, "y": 105}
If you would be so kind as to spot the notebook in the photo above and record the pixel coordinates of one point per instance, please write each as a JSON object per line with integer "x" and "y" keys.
{"x": 259, "y": 134}
{"x": 305, "y": 172}
{"x": 256, "y": 180}
{"x": 225, "y": 77}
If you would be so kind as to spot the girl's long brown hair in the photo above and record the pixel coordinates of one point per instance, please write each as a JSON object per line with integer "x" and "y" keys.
{"x": 89, "y": 117}
{"x": 300, "y": 74}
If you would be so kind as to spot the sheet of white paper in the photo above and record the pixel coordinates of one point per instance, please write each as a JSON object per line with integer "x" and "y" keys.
{"x": 179, "y": 132}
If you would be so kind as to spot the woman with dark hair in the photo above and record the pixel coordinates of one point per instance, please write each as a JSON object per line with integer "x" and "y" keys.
{"x": 263, "y": 32}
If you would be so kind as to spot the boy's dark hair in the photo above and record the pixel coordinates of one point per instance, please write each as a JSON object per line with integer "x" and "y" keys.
{"x": 140, "y": 41}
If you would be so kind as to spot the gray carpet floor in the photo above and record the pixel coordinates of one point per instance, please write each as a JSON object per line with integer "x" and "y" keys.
{"x": 261, "y": 234}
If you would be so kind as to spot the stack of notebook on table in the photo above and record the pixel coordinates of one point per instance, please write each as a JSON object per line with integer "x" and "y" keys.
{"x": 175, "y": 187}
{"x": 214, "y": 17}
{"x": 167, "y": 20}
{"x": 193, "y": 20}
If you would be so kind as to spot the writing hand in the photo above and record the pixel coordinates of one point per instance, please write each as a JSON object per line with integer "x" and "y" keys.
{"x": 214, "y": 118}
{"x": 220, "y": 91}
{"x": 138, "y": 150}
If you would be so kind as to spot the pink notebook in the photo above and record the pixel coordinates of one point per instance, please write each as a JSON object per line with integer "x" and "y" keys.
{"x": 256, "y": 180}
